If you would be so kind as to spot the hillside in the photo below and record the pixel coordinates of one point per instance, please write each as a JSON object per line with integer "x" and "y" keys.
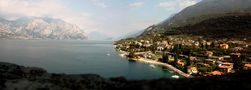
{"x": 208, "y": 17}
{"x": 231, "y": 26}
{"x": 207, "y": 9}
{"x": 39, "y": 28}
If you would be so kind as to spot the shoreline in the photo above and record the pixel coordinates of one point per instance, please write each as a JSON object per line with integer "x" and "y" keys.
{"x": 168, "y": 66}
{"x": 149, "y": 61}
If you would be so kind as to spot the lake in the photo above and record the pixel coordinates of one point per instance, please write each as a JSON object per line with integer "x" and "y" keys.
{"x": 77, "y": 57}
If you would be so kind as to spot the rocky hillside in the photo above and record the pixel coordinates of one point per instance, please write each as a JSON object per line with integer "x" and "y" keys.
{"x": 15, "y": 77}
{"x": 39, "y": 28}
{"x": 208, "y": 16}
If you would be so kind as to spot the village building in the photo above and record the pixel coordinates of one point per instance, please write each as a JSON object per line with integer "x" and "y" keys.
{"x": 200, "y": 64}
{"x": 209, "y": 53}
{"x": 221, "y": 58}
{"x": 226, "y": 67}
{"x": 147, "y": 45}
{"x": 181, "y": 62}
{"x": 247, "y": 66}
{"x": 191, "y": 58}
{"x": 210, "y": 61}
{"x": 209, "y": 43}
{"x": 235, "y": 56}
{"x": 224, "y": 46}
{"x": 196, "y": 44}
{"x": 159, "y": 48}
{"x": 237, "y": 49}
{"x": 192, "y": 70}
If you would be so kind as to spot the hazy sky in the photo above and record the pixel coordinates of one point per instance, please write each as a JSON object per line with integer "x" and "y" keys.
{"x": 113, "y": 17}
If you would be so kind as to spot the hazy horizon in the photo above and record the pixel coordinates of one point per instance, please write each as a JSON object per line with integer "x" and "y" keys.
{"x": 113, "y": 18}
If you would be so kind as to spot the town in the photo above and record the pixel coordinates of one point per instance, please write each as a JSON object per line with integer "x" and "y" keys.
{"x": 193, "y": 55}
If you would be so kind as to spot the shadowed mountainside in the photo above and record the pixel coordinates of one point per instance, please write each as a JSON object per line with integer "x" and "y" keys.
{"x": 238, "y": 26}
{"x": 230, "y": 17}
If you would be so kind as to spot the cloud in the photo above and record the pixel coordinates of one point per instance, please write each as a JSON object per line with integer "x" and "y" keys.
{"x": 99, "y": 3}
{"x": 102, "y": 5}
{"x": 176, "y": 4}
{"x": 136, "y": 4}
{"x": 29, "y": 7}
{"x": 12, "y": 9}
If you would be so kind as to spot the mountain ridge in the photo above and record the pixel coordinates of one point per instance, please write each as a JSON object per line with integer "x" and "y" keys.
{"x": 201, "y": 12}
{"x": 39, "y": 28}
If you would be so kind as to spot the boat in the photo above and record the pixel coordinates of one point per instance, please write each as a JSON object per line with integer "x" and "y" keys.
{"x": 122, "y": 55}
{"x": 171, "y": 71}
{"x": 175, "y": 76}
{"x": 152, "y": 66}
{"x": 108, "y": 54}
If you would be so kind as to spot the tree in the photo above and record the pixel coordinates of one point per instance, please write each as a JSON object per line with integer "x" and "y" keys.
{"x": 207, "y": 46}
{"x": 212, "y": 68}
{"x": 188, "y": 62}
{"x": 131, "y": 54}
{"x": 238, "y": 65}
{"x": 187, "y": 51}
{"x": 212, "y": 45}
{"x": 176, "y": 57}
{"x": 203, "y": 69}
{"x": 165, "y": 58}
{"x": 175, "y": 49}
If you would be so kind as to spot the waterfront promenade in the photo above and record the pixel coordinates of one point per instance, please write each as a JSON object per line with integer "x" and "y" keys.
{"x": 168, "y": 66}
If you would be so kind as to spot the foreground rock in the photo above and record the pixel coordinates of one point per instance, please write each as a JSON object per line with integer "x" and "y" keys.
{"x": 15, "y": 77}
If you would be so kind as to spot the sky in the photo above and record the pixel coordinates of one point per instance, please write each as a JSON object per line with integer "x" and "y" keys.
{"x": 114, "y": 18}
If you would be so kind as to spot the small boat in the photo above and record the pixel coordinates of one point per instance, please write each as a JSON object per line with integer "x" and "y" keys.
{"x": 171, "y": 71}
{"x": 122, "y": 55}
{"x": 152, "y": 66}
{"x": 108, "y": 54}
{"x": 175, "y": 76}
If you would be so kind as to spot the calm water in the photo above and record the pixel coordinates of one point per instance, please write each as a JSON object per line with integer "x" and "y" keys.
{"x": 76, "y": 57}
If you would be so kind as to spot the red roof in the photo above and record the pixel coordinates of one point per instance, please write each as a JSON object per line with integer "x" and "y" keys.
{"x": 217, "y": 73}
{"x": 247, "y": 65}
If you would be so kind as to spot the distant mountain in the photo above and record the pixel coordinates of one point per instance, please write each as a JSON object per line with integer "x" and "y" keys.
{"x": 98, "y": 36}
{"x": 132, "y": 34}
{"x": 206, "y": 15}
{"x": 39, "y": 28}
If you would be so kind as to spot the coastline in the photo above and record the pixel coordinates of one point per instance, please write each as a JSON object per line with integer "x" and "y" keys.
{"x": 149, "y": 61}
{"x": 168, "y": 66}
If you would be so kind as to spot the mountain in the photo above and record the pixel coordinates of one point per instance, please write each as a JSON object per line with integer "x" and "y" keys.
{"x": 98, "y": 36}
{"x": 208, "y": 15}
{"x": 132, "y": 34}
{"x": 39, "y": 28}
{"x": 207, "y": 9}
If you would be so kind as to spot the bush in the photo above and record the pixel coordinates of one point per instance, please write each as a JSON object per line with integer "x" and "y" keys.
{"x": 203, "y": 69}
